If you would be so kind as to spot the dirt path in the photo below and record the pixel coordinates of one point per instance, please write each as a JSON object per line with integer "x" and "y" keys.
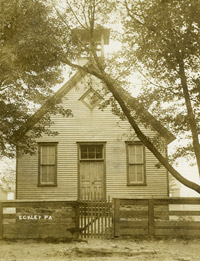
{"x": 107, "y": 250}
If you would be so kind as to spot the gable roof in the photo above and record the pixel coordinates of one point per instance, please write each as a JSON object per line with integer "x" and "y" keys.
{"x": 56, "y": 98}
{"x": 53, "y": 100}
{"x": 149, "y": 118}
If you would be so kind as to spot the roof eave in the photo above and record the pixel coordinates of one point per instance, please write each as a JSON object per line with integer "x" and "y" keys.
{"x": 55, "y": 99}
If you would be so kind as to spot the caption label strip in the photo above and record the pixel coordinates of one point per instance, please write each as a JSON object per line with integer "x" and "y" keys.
{"x": 35, "y": 217}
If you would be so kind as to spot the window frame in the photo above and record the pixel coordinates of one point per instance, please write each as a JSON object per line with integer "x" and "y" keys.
{"x": 79, "y": 160}
{"x": 40, "y": 145}
{"x": 92, "y": 144}
{"x": 143, "y": 183}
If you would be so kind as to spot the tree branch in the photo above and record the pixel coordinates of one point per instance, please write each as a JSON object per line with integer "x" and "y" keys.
{"x": 118, "y": 96}
{"x": 191, "y": 116}
{"x": 76, "y": 17}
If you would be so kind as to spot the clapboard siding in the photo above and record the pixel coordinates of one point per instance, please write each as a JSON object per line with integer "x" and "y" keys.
{"x": 87, "y": 126}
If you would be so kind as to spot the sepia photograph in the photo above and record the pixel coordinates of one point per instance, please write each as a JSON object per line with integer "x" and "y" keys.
{"x": 99, "y": 130}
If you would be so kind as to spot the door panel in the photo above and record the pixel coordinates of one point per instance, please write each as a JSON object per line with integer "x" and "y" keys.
{"x": 91, "y": 178}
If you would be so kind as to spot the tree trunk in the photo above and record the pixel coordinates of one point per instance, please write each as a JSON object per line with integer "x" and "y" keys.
{"x": 191, "y": 116}
{"x": 113, "y": 88}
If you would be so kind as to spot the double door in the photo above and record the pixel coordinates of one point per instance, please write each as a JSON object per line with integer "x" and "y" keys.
{"x": 91, "y": 170}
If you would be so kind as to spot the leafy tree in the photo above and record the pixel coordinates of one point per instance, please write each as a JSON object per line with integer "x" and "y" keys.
{"x": 88, "y": 15}
{"x": 30, "y": 63}
{"x": 163, "y": 42}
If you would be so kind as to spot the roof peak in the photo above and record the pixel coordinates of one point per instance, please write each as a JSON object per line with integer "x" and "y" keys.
{"x": 57, "y": 96}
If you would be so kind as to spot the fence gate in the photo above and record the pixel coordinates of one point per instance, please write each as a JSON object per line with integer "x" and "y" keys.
{"x": 95, "y": 217}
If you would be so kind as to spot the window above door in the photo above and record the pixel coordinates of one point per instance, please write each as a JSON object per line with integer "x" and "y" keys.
{"x": 91, "y": 152}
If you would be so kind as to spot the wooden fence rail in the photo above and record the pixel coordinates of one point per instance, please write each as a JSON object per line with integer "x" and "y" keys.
{"x": 157, "y": 217}
{"x": 38, "y": 219}
{"x": 100, "y": 218}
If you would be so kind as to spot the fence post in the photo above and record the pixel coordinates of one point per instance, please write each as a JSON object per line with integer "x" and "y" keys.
{"x": 116, "y": 217}
{"x": 151, "y": 217}
{"x": 1, "y": 220}
{"x": 77, "y": 218}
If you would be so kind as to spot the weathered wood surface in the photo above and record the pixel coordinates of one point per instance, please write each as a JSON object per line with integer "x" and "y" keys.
{"x": 36, "y": 203}
{"x": 133, "y": 224}
{"x": 154, "y": 217}
{"x": 133, "y": 231}
{"x": 133, "y": 213}
{"x": 95, "y": 218}
{"x": 177, "y": 213}
{"x": 151, "y": 217}
{"x": 37, "y": 219}
{"x": 117, "y": 217}
{"x": 165, "y": 201}
{"x": 177, "y": 232}
{"x": 136, "y": 201}
{"x": 177, "y": 224}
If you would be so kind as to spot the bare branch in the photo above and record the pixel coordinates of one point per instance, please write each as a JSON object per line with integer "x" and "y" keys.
{"x": 83, "y": 12}
{"x": 150, "y": 28}
{"x": 76, "y": 17}
{"x": 71, "y": 30}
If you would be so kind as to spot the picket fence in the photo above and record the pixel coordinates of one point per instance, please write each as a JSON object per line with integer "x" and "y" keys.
{"x": 95, "y": 218}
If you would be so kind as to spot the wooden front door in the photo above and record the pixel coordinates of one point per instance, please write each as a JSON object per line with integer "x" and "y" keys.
{"x": 91, "y": 170}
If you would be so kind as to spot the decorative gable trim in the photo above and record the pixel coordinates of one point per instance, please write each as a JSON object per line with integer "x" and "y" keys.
{"x": 88, "y": 102}
{"x": 56, "y": 98}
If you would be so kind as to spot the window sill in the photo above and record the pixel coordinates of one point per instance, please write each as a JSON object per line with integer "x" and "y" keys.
{"x": 47, "y": 185}
{"x": 137, "y": 184}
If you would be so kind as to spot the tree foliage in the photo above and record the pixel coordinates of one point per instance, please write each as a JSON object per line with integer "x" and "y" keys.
{"x": 162, "y": 40}
{"x": 32, "y": 46}
{"x": 161, "y": 37}
{"x": 149, "y": 42}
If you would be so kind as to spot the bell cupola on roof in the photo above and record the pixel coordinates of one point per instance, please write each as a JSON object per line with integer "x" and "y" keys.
{"x": 101, "y": 37}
